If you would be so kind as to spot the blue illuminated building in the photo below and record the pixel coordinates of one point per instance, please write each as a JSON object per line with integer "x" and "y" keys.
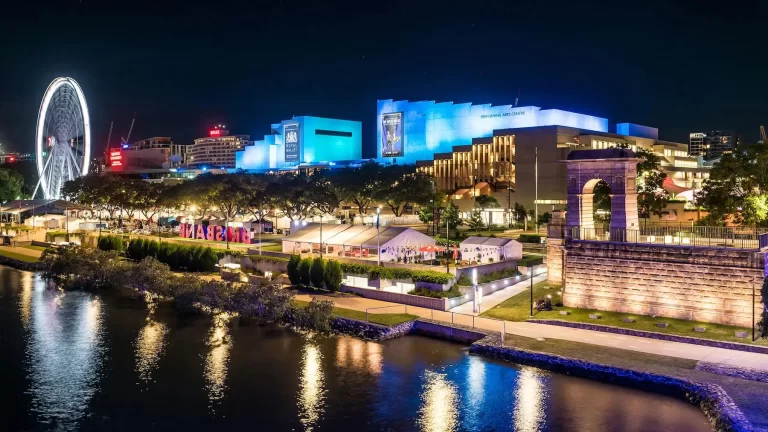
{"x": 412, "y": 131}
{"x": 303, "y": 141}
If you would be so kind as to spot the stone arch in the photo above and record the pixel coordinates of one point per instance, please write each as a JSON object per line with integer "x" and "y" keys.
{"x": 618, "y": 168}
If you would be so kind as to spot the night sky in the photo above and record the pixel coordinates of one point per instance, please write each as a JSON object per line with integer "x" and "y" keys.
{"x": 680, "y": 66}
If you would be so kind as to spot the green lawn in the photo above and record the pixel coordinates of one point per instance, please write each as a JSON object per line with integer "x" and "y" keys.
{"x": 17, "y": 256}
{"x": 517, "y": 308}
{"x": 271, "y": 247}
{"x": 37, "y": 248}
{"x": 383, "y": 319}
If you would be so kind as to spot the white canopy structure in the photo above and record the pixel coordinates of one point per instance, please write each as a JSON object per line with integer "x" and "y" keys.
{"x": 489, "y": 249}
{"x": 360, "y": 241}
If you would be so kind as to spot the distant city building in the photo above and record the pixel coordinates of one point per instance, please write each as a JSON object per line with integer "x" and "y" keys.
{"x": 711, "y": 145}
{"x": 149, "y": 153}
{"x": 302, "y": 142}
{"x": 12, "y": 157}
{"x": 412, "y": 131}
{"x": 217, "y": 150}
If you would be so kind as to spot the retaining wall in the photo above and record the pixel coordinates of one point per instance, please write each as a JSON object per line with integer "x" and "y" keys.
{"x": 411, "y": 300}
{"x": 702, "y": 284}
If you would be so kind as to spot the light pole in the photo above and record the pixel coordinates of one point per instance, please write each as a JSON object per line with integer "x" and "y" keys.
{"x": 378, "y": 242}
{"x": 66, "y": 209}
{"x": 476, "y": 293}
{"x": 447, "y": 244}
{"x": 321, "y": 236}
{"x": 530, "y": 272}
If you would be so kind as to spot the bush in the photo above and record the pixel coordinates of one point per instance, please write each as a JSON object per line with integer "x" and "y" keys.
{"x": 316, "y": 272}
{"x": 530, "y": 261}
{"x": 135, "y": 249}
{"x": 315, "y": 316}
{"x": 110, "y": 243}
{"x": 152, "y": 248}
{"x": 293, "y": 269}
{"x": 208, "y": 260}
{"x": 763, "y": 324}
{"x": 464, "y": 280}
{"x": 529, "y": 238}
{"x": 305, "y": 270}
{"x": 424, "y": 292}
{"x": 332, "y": 276}
{"x": 377, "y": 272}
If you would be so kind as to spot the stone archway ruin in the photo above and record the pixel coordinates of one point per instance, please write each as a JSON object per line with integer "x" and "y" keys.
{"x": 618, "y": 168}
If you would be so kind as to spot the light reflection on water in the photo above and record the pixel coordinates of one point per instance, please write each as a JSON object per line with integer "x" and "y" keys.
{"x": 65, "y": 352}
{"x": 359, "y": 354}
{"x": 530, "y": 415}
{"x": 217, "y": 361}
{"x": 149, "y": 346}
{"x": 311, "y": 385}
{"x": 440, "y": 404}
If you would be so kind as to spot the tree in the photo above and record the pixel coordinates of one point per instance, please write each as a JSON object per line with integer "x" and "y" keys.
{"x": 475, "y": 220}
{"x": 305, "y": 271}
{"x": 450, "y": 217}
{"x": 11, "y": 184}
{"x": 332, "y": 276}
{"x": 484, "y": 202}
{"x": 317, "y": 272}
{"x": 148, "y": 198}
{"x": 519, "y": 212}
{"x": 735, "y": 184}
{"x": 293, "y": 269}
{"x": 327, "y": 191}
{"x": 544, "y": 219}
{"x": 402, "y": 186}
{"x": 601, "y": 203}
{"x": 361, "y": 185}
{"x": 294, "y": 193}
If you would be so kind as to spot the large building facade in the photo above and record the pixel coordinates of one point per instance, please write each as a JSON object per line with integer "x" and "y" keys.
{"x": 217, "y": 150}
{"x": 411, "y": 131}
{"x": 303, "y": 141}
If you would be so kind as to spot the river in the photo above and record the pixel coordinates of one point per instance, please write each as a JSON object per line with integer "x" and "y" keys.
{"x": 78, "y": 361}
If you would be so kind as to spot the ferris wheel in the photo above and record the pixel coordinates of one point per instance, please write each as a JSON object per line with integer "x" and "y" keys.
{"x": 63, "y": 140}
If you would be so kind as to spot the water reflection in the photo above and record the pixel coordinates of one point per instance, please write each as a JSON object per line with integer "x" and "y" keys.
{"x": 217, "y": 361}
{"x": 311, "y": 386}
{"x": 440, "y": 404}
{"x": 65, "y": 352}
{"x": 529, "y": 410}
{"x": 359, "y": 354}
{"x": 25, "y": 299}
{"x": 149, "y": 345}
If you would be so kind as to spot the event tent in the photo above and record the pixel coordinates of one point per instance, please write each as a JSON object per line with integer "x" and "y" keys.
{"x": 485, "y": 249}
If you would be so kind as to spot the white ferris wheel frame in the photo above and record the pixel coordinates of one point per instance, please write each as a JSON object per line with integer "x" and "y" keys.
{"x": 49, "y": 92}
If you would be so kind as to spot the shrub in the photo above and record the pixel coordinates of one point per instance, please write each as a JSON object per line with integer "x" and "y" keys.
{"x": 315, "y": 316}
{"x": 305, "y": 269}
{"x": 316, "y": 272}
{"x": 293, "y": 269}
{"x": 332, "y": 276}
{"x": 135, "y": 248}
{"x": 530, "y": 261}
{"x": 424, "y": 292}
{"x": 529, "y": 238}
{"x": 208, "y": 260}
{"x": 152, "y": 248}
{"x": 464, "y": 280}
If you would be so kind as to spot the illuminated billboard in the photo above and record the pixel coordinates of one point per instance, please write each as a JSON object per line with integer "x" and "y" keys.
{"x": 292, "y": 141}
{"x": 116, "y": 160}
{"x": 392, "y": 134}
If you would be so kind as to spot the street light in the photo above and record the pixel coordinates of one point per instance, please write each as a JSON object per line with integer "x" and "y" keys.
{"x": 321, "y": 236}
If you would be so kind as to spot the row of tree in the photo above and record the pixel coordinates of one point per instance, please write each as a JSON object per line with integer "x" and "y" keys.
{"x": 296, "y": 195}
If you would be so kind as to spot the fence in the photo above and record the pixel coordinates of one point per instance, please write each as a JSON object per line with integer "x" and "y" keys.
{"x": 478, "y": 322}
{"x": 697, "y": 236}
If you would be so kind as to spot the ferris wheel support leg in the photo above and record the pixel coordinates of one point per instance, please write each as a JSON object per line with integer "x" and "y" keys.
{"x": 47, "y": 162}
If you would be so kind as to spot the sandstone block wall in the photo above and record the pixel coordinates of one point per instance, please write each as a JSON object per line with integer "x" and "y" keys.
{"x": 703, "y": 284}
{"x": 555, "y": 260}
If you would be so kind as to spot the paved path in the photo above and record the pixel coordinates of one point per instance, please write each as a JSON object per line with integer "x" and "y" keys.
{"x": 532, "y": 330}
{"x": 499, "y": 296}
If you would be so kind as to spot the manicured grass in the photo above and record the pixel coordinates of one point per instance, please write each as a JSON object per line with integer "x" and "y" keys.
{"x": 383, "y": 319}
{"x": 17, "y": 256}
{"x": 37, "y": 248}
{"x": 269, "y": 247}
{"x": 517, "y": 308}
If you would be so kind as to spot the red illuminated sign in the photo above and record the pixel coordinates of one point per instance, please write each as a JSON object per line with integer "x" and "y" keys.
{"x": 116, "y": 160}
{"x": 215, "y": 132}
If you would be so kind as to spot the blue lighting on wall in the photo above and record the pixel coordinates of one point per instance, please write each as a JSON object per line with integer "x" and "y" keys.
{"x": 431, "y": 127}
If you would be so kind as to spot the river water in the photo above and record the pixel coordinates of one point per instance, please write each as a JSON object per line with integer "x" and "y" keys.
{"x": 77, "y": 361}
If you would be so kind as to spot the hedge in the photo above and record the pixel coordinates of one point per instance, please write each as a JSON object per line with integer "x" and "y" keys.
{"x": 270, "y": 259}
{"x": 530, "y": 260}
{"x": 376, "y": 272}
{"x": 110, "y": 243}
{"x": 425, "y": 292}
{"x": 177, "y": 256}
{"x": 529, "y": 238}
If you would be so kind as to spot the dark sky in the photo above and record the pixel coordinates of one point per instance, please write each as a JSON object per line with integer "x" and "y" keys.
{"x": 681, "y": 66}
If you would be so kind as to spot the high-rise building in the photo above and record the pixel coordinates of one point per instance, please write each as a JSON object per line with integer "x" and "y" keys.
{"x": 217, "y": 150}
{"x": 711, "y": 145}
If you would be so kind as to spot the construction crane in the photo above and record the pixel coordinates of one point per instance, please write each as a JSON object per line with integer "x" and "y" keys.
{"x": 109, "y": 137}
{"x": 125, "y": 140}
{"x": 762, "y": 135}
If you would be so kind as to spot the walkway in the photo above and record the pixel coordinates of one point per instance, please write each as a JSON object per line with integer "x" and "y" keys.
{"x": 532, "y": 330}
{"x": 23, "y": 251}
{"x": 499, "y": 296}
